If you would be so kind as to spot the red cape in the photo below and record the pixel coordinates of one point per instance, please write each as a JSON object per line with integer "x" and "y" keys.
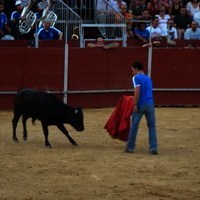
{"x": 118, "y": 124}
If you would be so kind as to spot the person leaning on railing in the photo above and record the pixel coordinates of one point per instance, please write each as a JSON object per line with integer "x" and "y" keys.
{"x": 141, "y": 33}
{"x": 100, "y": 43}
{"x": 46, "y": 32}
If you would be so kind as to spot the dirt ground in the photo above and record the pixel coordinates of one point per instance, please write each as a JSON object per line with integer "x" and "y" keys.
{"x": 98, "y": 169}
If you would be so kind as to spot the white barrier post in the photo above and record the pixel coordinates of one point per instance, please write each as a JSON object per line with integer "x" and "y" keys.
{"x": 66, "y": 55}
{"x": 150, "y": 51}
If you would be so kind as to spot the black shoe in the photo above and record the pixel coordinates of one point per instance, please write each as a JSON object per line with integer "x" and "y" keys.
{"x": 154, "y": 152}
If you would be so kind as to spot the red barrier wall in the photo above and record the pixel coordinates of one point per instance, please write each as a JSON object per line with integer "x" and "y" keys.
{"x": 99, "y": 69}
{"x": 30, "y": 67}
{"x": 176, "y": 68}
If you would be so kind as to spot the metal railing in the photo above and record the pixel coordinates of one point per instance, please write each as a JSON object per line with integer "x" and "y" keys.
{"x": 106, "y": 14}
{"x": 109, "y": 22}
{"x": 84, "y": 8}
{"x": 122, "y": 38}
{"x": 68, "y": 19}
{"x": 85, "y": 14}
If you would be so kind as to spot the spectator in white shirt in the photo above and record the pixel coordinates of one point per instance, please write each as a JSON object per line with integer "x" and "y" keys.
{"x": 155, "y": 31}
{"x": 192, "y": 7}
{"x": 196, "y": 17}
{"x": 170, "y": 31}
{"x": 192, "y": 33}
{"x": 163, "y": 18}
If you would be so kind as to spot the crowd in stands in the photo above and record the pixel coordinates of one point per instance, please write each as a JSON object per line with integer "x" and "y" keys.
{"x": 155, "y": 19}
{"x": 170, "y": 19}
{"x": 11, "y": 15}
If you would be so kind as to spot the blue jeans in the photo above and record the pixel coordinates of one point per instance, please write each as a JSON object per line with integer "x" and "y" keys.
{"x": 149, "y": 112}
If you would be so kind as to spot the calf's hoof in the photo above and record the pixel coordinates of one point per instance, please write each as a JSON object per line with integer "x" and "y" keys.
{"x": 48, "y": 146}
{"x": 15, "y": 140}
{"x": 74, "y": 144}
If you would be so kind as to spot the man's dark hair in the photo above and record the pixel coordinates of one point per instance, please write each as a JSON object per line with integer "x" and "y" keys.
{"x": 138, "y": 65}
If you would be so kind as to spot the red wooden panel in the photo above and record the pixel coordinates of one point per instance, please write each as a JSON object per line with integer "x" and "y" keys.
{"x": 176, "y": 68}
{"x": 95, "y": 100}
{"x": 102, "y": 69}
{"x": 30, "y": 67}
{"x": 177, "y": 98}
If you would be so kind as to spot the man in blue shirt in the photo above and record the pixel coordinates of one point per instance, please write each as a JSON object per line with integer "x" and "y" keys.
{"x": 46, "y": 32}
{"x": 142, "y": 33}
{"x": 4, "y": 29}
{"x": 14, "y": 20}
{"x": 143, "y": 105}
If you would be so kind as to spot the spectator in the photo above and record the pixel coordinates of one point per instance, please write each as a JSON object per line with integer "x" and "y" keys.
{"x": 163, "y": 18}
{"x": 9, "y": 7}
{"x": 16, "y": 15}
{"x": 167, "y": 4}
{"x": 47, "y": 7}
{"x": 4, "y": 28}
{"x": 39, "y": 9}
{"x": 105, "y": 15}
{"x": 192, "y": 7}
{"x": 128, "y": 17}
{"x": 146, "y": 17}
{"x": 46, "y": 32}
{"x": 136, "y": 8}
{"x": 141, "y": 33}
{"x": 24, "y": 3}
{"x": 192, "y": 33}
{"x": 14, "y": 20}
{"x": 182, "y": 22}
{"x": 102, "y": 5}
{"x": 153, "y": 7}
{"x": 118, "y": 4}
{"x": 143, "y": 4}
{"x": 100, "y": 43}
{"x": 170, "y": 32}
{"x": 184, "y": 2}
{"x": 176, "y": 6}
{"x": 196, "y": 17}
{"x": 154, "y": 30}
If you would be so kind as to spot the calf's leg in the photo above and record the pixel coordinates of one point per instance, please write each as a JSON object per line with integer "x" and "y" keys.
{"x": 64, "y": 130}
{"x": 15, "y": 121}
{"x": 46, "y": 133}
{"x": 24, "y": 119}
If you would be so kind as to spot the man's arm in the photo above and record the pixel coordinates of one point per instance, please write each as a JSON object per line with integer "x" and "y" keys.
{"x": 60, "y": 36}
{"x": 136, "y": 96}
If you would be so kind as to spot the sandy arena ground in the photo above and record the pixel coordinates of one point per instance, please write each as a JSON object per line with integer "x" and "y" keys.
{"x": 98, "y": 169}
